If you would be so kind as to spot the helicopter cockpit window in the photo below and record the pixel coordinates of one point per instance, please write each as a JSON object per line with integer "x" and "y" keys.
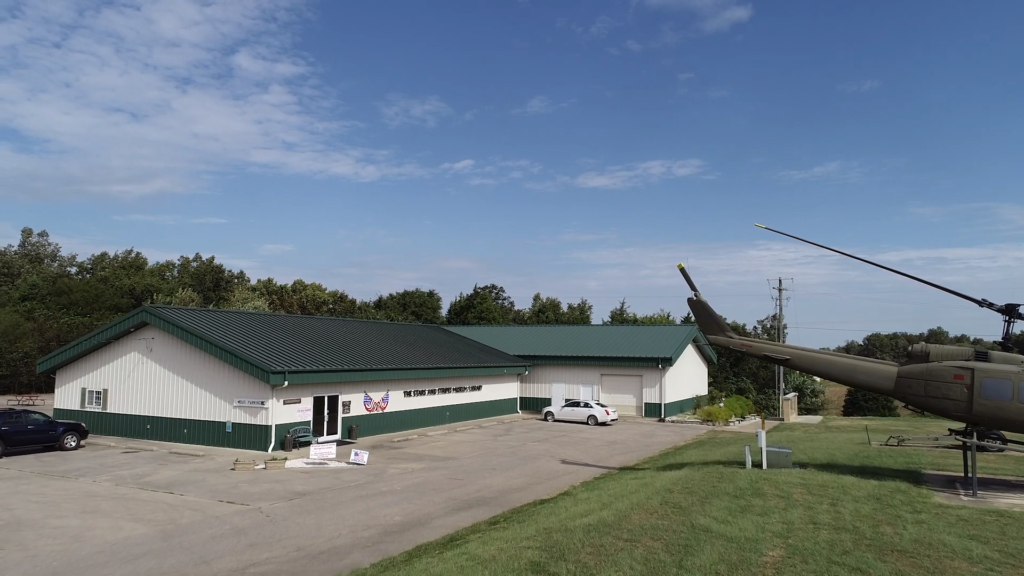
{"x": 1000, "y": 389}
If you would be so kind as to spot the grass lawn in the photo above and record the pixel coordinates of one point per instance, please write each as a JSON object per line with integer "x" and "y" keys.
{"x": 849, "y": 509}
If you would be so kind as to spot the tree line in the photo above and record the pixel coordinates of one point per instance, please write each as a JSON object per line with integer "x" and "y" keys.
{"x": 49, "y": 298}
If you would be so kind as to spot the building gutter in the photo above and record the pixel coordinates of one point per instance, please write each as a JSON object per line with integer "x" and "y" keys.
{"x": 662, "y": 419}
{"x": 273, "y": 422}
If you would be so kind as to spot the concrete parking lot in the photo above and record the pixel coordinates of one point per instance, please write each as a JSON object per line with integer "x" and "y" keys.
{"x": 112, "y": 510}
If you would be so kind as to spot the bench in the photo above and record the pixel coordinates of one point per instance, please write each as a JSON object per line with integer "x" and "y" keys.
{"x": 302, "y": 435}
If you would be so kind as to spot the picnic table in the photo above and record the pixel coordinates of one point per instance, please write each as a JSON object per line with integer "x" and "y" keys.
{"x": 25, "y": 400}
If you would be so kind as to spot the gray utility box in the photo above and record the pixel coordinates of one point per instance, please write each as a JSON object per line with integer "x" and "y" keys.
{"x": 779, "y": 456}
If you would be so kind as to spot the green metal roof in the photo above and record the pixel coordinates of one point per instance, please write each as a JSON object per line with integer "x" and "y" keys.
{"x": 306, "y": 349}
{"x": 635, "y": 344}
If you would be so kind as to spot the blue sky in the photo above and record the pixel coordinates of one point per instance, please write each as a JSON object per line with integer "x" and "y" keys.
{"x": 576, "y": 149}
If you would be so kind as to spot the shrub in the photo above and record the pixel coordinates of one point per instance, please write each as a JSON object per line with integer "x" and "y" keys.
{"x": 716, "y": 414}
{"x": 739, "y": 406}
{"x": 863, "y": 403}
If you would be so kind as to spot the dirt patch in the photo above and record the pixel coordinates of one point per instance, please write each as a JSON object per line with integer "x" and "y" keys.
{"x": 1004, "y": 492}
{"x": 770, "y": 562}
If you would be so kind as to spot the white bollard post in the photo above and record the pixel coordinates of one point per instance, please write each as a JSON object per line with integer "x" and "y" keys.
{"x": 762, "y": 443}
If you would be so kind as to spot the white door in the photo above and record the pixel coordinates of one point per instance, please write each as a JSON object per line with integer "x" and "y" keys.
{"x": 586, "y": 391}
{"x": 624, "y": 393}
{"x": 557, "y": 393}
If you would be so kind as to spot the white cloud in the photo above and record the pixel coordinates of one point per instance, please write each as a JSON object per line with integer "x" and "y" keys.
{"x": 167, "y": 219}
{"x": 613, "y": 51}
{"x": 398, "y": 109}
{"x": 836, "y": 171}
{"x": 164, "y": 219}
{"x": 274, "y": 249}
{"x": 601, "y": 26}
{"x": 632, "y": 175}
{"x": 714, "y": 15}
{"x": 457, "y": 167}
{"x": 991, "y": 216}
{"x": 858, "y": 86}
{"x": 633, "y": 46}
{"x": 686, "y": 76}
{"x": 144, "y": 97}
{"x": 541, "y": 105}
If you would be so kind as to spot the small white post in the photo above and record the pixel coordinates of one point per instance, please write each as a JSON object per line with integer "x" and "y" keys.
{"x": 746, "y": 450}
{"x": 762, "y": 442}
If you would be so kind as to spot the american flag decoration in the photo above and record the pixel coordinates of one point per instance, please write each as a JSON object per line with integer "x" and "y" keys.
{"x": 376, "y": 406}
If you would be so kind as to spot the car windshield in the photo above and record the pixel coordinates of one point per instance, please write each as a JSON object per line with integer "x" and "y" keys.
{"x": 599, "y": 404}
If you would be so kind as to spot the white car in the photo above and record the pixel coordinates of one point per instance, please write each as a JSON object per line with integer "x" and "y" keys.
{"x": 589, "y": 411}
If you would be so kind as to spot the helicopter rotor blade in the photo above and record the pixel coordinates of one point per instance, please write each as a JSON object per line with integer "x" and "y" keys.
{"x": 1009, "y": 310}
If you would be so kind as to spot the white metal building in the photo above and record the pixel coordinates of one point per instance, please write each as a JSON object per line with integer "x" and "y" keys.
{"x": 644, "y": 370}
{"x": 243, "y": 379}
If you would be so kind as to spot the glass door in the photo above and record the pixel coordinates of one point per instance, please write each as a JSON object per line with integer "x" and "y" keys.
{"x": 326, "y": 416}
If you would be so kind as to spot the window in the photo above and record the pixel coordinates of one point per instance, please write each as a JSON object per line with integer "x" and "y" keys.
{"x": 999, "y": 389}
{"x": 36, "y": 418}
{"x": 94, "y": 399}
{"x": 14, "y": 419}
{"x": 585, "y": 405}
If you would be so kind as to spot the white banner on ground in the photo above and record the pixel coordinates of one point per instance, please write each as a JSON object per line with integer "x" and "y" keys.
{"x": 325, "y": 451}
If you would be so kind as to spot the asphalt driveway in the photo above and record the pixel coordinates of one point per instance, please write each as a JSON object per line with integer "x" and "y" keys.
{"x": 106, "y": 511}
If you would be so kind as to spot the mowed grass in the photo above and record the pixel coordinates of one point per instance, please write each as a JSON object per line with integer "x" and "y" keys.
{"x": 695, "y": 509}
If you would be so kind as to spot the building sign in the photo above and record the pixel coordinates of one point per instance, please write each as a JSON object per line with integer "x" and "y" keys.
{"x": 288, "y": 401}
{"x": 372, "y": 405}
{"x": 346, "y": 406}
{"x": 304, "y": 412}
{"x": 438, "y": 391}
{"x": 250, "y": 403}
{"x": 359, "y": 457}
{"x": 325, "y": 451}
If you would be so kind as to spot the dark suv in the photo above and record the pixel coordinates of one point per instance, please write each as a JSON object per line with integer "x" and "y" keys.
{"x": 22, "y": 428}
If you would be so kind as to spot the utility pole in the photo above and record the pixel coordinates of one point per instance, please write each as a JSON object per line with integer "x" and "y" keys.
{"x": 780, "y": 382}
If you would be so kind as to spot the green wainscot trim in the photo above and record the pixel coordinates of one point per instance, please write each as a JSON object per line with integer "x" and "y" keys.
{"x": 402, "y": 420}
{"x": 533, "y": 404}
{"x": 280, "y": 430}
{"x": 680, "y": 406}
{"x": 180, "y": 430}
{"x": 652, "y": 410}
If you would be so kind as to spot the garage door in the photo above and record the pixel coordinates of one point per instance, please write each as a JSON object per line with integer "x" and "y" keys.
{"x": 624, "y": 393}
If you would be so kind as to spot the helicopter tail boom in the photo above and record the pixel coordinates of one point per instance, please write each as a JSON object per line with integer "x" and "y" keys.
{"x": 864, "y": 373}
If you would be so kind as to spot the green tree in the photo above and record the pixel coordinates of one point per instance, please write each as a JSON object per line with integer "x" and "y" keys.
{"x": 621, "y": 315}
{"x": 419, "y": 306}
{"x": 483, "y": 305}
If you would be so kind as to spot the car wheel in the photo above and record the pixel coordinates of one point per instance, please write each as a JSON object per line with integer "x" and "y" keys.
{"x": 549, "y": 416}
{"x": 592, "y": 420}
{"x": 69, "y": 441}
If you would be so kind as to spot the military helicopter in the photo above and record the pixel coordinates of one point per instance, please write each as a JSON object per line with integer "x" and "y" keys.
{"x": 980, "y": 388}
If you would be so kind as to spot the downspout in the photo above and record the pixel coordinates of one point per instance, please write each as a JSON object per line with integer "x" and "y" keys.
{"x": 662, "y": 419}
{"x": 273, "y": 423}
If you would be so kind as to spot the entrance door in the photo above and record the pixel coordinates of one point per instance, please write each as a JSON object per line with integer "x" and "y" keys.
{"x": 326, "y": 417}
{"x": 586, "y": 391}
{"x": 557, "y": 393}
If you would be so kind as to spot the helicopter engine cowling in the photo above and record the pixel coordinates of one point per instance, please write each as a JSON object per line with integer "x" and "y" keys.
{"x": 938, "y": 353}
{"x": 922, "y": 353}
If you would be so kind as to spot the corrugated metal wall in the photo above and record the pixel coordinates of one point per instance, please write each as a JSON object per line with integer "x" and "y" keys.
{"x": 500, "y": 387}
{"x": 688, "y": 377}
{"x": 152, "y": 373}
{"x": 537, "y": 384}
